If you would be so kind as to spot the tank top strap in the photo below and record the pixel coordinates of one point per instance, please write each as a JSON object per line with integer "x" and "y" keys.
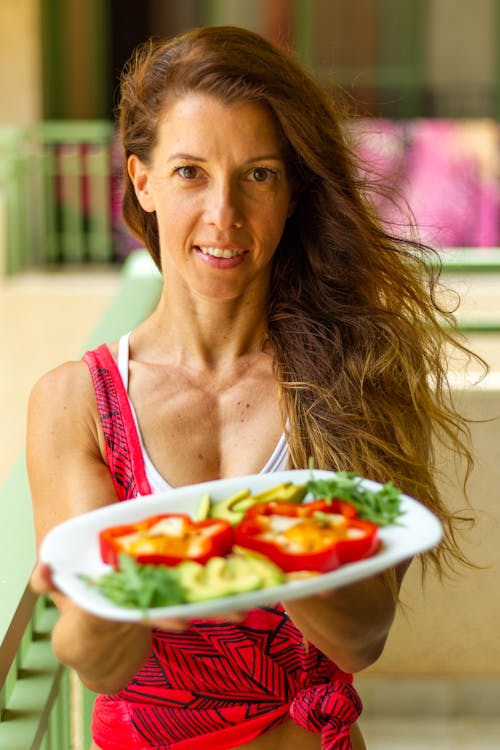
{"x": 123, "y": 358}
{"x": 123, "y": 449}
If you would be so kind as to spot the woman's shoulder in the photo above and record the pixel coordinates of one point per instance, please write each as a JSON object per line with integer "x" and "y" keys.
{"x": 67, "y": 378}
{"x": 63, "y": 394}
{"x": 63, "y": 415}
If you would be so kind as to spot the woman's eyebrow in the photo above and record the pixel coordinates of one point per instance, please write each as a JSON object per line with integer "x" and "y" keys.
{"x": 265, "y": 157}
{"x": 187, "y": 157}
{"x": 251, "y": 160}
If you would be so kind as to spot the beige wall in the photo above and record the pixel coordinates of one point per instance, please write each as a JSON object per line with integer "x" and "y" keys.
{"x": 20, "y": 69}
{"x": 449, "y": 628}
{"x": 44, "y": 320}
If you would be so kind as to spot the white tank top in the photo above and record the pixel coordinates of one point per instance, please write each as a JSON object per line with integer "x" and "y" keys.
{"x": 277, "y": 461}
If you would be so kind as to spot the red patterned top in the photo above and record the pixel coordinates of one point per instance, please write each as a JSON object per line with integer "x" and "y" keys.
{"x": 214, "y": 685}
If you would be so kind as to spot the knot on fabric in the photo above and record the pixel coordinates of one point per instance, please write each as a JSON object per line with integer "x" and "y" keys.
{"x": 330, "y": 708}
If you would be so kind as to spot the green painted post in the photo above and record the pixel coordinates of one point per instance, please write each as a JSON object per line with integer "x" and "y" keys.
{"x": 20, "y": 187}
{"x": 32, "y": 202}
{"x": 70, "y": 201}
{"x": 12, "y": 146}
{"x": 97, "y": 172}
{"x": 49, "y": 252}
{"x": 7, "y": 178}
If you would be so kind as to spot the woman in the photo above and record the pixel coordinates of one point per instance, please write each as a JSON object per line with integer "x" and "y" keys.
{"x": 290, "y": 325}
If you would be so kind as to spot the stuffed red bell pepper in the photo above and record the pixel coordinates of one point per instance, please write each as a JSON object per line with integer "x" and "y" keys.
{"x": 167, "y": 539}
{"x": 317, "y": 536}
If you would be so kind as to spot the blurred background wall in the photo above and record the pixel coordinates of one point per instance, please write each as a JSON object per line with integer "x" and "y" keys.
{"x": 412, "y": 58}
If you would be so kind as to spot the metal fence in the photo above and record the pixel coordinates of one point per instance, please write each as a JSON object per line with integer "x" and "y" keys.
{"x": 56, "y": 194}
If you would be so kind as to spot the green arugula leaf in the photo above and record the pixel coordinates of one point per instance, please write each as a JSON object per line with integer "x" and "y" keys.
{"x": 382, "y": 506}
{"x": 139, "y": 586}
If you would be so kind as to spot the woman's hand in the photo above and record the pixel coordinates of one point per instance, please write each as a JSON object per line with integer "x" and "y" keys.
{"x": 166, "y": 623}
{"x": 41, "y": 579}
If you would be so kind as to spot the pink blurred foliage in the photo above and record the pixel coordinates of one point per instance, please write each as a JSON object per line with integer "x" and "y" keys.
{"x": 442, "y": 173}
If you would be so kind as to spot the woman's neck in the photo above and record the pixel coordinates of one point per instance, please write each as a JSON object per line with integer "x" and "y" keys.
{"x": 205, "y": 333}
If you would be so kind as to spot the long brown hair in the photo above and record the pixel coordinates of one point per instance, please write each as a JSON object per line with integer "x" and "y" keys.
{"x": 359, "y": 337}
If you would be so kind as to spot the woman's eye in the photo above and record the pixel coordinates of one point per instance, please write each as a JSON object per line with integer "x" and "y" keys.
{"x": 262, "y": 174}
{"x": 188, "y": 172}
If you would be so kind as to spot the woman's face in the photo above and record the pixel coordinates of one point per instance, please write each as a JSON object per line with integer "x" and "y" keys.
{"x": 219, "y": 186}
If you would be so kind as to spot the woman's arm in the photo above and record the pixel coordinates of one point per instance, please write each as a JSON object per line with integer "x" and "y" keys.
{"x": 350, "y": 625}
{"x": 68, "y": 476}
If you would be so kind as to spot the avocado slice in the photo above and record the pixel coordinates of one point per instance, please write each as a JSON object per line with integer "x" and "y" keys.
{"x": 284, "y": 493}
{"x": 220, "y": 576}
{"x": 233, "y": 508}
{"x": 270, "y": 573}
{"x": 202, "y": 511}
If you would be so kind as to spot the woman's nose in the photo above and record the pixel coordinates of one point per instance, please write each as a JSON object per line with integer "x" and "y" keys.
{"x": 223, "y": 208}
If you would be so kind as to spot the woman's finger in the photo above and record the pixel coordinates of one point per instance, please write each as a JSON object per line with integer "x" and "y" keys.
{"x": 41, "y": 579}
{"x": 166, "y": 623}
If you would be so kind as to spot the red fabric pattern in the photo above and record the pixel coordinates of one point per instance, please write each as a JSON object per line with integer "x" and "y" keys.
{"x": 330, "y": 708}
{"x": 123, "y": 450}
{"x": 215, "y": 685}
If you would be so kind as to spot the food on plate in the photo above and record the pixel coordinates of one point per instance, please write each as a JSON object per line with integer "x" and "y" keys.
{"x": 167, "y": 539}
{"x": 234, "y": 508}
{"x": 318, "y": 536}
{"x": 382, "y": 506}
{"x": 137, "y": 586}
{"x": 238, "y": 573}
{"x": 245, "y": 542}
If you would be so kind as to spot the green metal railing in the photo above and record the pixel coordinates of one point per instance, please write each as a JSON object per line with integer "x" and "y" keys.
{"x": 56, "y": 194}
{"x": 34, "y": 695}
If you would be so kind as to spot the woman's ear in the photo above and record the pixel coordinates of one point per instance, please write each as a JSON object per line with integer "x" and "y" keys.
{"x": 139, "y": 175}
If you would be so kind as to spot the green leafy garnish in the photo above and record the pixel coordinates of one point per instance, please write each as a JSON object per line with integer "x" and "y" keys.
{"x": 139, "y": 586}
{"x": 382, "y": 506}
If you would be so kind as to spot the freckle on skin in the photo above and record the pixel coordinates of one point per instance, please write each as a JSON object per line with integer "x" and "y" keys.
{"x": 247, "y": 406}
{"x": 200, "y": 456}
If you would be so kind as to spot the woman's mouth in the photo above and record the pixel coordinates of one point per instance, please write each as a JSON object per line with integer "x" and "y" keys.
{"x": 219, "y": 252}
